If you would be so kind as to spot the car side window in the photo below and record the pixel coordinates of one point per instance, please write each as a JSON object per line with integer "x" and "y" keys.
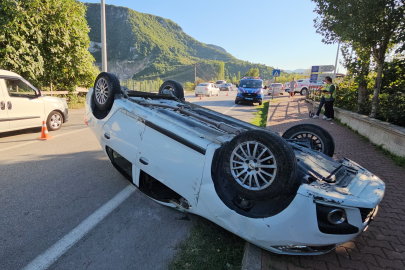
{"x": 17, "y": 88}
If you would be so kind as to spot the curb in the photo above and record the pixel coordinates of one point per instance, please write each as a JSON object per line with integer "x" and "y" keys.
{"x": 252, "y": 257}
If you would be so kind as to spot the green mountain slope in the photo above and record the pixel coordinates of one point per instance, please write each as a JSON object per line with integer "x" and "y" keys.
{"x": 144, "y": 46}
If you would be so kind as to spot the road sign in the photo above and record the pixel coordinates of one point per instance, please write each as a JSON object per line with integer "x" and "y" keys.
{"x": 321, "y": 77}
{"x": 276, "y": 72}
{"x": 325, "y": 68}
{"x": 314, "y": 77}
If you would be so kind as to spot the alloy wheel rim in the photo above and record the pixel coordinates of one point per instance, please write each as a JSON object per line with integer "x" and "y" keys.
{"x": 56, "y": 121}
{"x": 317, "y": 143}
{"x": 101, "y": 91}
{"x": 253, "y": 165}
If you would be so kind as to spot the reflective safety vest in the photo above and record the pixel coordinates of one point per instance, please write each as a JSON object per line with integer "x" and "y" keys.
{"x": 329, "y": 95}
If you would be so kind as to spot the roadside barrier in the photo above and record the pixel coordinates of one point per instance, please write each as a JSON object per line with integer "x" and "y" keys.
{"x": 44, "y": 133}
{"x": 200, "y": 97}
{"x": 227, "y": 93}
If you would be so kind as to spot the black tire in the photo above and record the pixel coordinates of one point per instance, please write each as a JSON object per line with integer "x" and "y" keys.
{"x": 322, "y": 140}
{"x": 303, "y": 92}
{"x": 54, "y": 121}
{"x": 106, "y": 86}
{"x": 174, "y": 87}
{"x": 196, "y": 95}
{"x": 260, "y": 103}
{"x": 236, "y": 101}
{"x": 275, "y": 151}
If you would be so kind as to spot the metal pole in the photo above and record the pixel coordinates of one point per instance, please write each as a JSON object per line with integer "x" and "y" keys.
{"x": 103, "y": 39}
{"x": 337, "y": 55}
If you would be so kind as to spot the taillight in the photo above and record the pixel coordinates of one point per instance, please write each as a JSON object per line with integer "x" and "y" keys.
{"x": 85, "y": 120}
{"x": 207, "y": 89}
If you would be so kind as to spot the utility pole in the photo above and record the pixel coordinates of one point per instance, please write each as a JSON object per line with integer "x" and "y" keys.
{"x": 337, "y": 55}
{"x": 103, "y": 39}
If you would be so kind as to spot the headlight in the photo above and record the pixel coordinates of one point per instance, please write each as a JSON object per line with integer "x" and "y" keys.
{"x": 261, "y": 92}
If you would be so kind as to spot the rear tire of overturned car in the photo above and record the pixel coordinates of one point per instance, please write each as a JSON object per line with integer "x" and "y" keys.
{"x": 105, "y": 88}
{"x": 322, "y": 140}
{"x": 260, "y": 165}
{"x": 172, "y": 87}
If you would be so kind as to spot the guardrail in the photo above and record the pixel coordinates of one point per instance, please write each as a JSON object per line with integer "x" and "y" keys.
{"x": 389, "y": 136}
{"x": 78, "y": 90}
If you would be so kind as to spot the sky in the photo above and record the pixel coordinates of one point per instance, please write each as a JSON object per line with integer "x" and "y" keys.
{"x": 279, "y": 33}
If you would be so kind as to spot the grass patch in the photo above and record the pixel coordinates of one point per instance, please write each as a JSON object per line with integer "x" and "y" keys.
{"x": 209, "y": 247}
{"x": 398, "y": 160}
{"x": 261, "y": 115}
{"x": 76, "y": 101}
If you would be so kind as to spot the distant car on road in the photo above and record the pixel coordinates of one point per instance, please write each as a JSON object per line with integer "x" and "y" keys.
{"x": 206, "y": 89}
{"x": 250, "y": 90}
{"x": 226, "y": 87}
{"x": 23, "y": 106}
{"x": 219, "y": 83}
{"x": 287, "y": 87}
{"x": 275, "y": 87}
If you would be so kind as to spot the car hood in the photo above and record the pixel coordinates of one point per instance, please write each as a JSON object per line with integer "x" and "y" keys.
{"x": 344, "y": 182}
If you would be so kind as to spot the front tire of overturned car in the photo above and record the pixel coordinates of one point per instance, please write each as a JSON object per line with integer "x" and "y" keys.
{"x": 106, "y": 86}
{"x": 322, "y": 140}
{"x": 260, "y": 165}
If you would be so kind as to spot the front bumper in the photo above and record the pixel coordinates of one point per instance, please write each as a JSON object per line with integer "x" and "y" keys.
{"x": 250, "y": 99}
{"x": 65, "y": 115}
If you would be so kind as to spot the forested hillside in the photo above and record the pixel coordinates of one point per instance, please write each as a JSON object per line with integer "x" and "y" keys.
{"x": 143, "y": 46}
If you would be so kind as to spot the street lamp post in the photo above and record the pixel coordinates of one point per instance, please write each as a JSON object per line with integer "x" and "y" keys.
{"x": 103, "y": 39}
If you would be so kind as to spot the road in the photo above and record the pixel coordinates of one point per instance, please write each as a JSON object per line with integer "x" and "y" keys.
{"x": 64, "y": 206}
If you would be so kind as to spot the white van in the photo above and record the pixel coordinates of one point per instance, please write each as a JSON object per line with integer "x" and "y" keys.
{"x": 23, "y": 106}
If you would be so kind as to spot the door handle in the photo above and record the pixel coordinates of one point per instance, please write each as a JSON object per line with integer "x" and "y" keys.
{"x": 9, "y": 105}
{"x": 2, "y": 105}
{"x": 144, "y": 161}
{"x": 107, "y": 136}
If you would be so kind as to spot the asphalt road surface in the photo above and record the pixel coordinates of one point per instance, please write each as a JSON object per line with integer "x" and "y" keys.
{"x": 64, "y": 206}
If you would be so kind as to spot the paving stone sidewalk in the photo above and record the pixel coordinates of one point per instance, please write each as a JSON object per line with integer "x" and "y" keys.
{"x": 382, "y": 246}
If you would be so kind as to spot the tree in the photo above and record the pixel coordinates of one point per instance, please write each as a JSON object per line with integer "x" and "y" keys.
{"x": 56, "y": 31}
{"x": 221, "y": 70}
{"x": 253, "y": 72}
{"x": 360, "y": 67}
{"x": 20, "y": 35}
{"x": 369, "y": 23}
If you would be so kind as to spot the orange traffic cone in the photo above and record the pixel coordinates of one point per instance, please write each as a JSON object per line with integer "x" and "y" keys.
{"x": 44, "y": 133}
{"x": 227, "y": 93}
{"x": 200, "y": 96}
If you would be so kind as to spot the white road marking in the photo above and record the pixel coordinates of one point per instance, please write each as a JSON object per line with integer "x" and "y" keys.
{"x": 229, "y": 109}
{"x": 35, "y": 141}
{"x": 47, "y": 258}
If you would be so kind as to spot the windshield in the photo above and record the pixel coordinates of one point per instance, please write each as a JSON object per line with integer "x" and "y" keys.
{"x": 277, "y": 84}
{"x": 203, "y": 84}
{"x": 251, "y": 83}
{"x": 220, "y": 82}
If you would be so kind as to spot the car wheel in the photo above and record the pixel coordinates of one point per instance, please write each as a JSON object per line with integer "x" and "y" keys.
{"x": 172, "y": 87}
{"x": 54, "y": 121}
{"x": 236, "y": 101}
{"x": 105, "y": 88}
{"x": 260, "y": 103}
{"x": 303, "y": 92}
{"x": 321, "y": 139}
{"x": 260, "y": 165}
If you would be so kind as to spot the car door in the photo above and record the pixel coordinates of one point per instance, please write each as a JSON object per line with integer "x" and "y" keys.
{"x": 123, "y": 134}
{"x": 170, "y": 155}
{"x": 24, "y": 108}
{"x": 4, "y": 121}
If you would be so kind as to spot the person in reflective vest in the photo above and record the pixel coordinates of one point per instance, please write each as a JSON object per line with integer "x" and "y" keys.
{"x": 329, "y": 92}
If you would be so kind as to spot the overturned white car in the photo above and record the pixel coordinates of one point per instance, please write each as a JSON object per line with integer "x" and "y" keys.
{"x": 284, "y": 194}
